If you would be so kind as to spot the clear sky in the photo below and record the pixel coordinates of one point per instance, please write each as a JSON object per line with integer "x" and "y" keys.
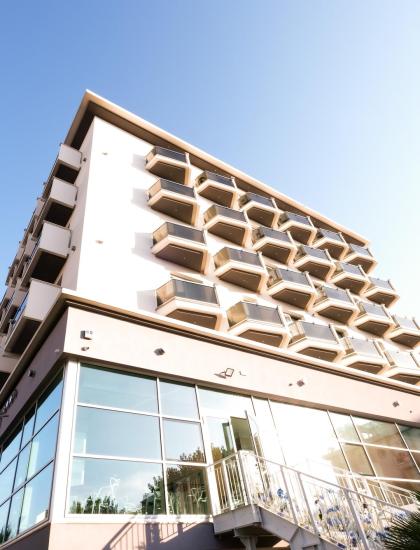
{"x": 320, "y": 99}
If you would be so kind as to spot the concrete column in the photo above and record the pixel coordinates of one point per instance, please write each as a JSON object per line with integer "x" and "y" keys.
{"x": 249, "y": 542}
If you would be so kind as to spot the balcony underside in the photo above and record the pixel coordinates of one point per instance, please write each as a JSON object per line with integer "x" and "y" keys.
{"x": 168, "y": 171}
{"x": 263, "y": 337}
{"x": 278, "y": 253}
{"x": 21, "y": 335}
{"x": 365, "y": 365}
{"x": 217, "y": 195}
{"x": 353, "y": 285}
{"x": 317, "y": 353}
{"x": 57, "y": 213}
{"x": 182, "y": 255}
{"x": 244, "y": 279}
{"x": 230, "y": 232}
{"x": 373, "y": 327}
{"x": 364, "y": 262}
{"x": 264, "y": 217}
{"x": 296, "y": 298}
{"x": 178, "y": 209}
{"x": 382, "y": 298}
{"x": 335, "y": 250}
{"x": 337, "y": 313}
{"x": 300, "y": 234}
{"x": 413, "y": 379}
{"x": 316, "y": 270}
{"x": 66, "y": 173}
{"x": 406, "y": 339}
{"x": 202, "y": 319}
{"x": 44, "y": 267}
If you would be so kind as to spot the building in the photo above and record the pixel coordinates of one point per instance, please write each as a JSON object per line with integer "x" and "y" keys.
{"x": 166, "y": 319}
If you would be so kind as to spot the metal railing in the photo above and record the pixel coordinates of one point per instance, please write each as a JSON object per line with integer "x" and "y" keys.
{"x": 168, "y": 153}
{"x": 334, "y": 512}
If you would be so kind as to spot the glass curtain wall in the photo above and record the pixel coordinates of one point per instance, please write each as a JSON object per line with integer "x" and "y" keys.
{"x": 141, "y": 444}
{"x": 26, "y": 466}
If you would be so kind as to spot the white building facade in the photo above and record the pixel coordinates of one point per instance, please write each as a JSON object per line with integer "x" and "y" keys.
{"x": 173, "y": 332}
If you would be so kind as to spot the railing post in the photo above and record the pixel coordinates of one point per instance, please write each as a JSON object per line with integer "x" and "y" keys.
{"x": 244, "y": 479}
{"x": 305, "y": 496}
{"x": 227, "y": 485}
{"x": 356, "y": 519}
{"x": 286, "y": 485}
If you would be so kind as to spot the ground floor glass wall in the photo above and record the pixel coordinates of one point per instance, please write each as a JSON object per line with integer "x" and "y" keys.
{"x": 141, "y": 444}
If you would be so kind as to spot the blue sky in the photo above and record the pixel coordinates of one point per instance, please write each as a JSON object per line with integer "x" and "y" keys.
{"x": 320, "y": 99}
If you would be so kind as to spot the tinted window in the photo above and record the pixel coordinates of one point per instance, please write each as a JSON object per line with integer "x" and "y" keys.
{"x": 178, "y": 400}
{"x": 183, "y": 441}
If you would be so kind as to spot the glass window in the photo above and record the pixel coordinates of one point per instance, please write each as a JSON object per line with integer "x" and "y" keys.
{"x": 242, "y": 434}
{"x": 11, "y": 448}
{"x": 416, "y": 457}
{"x": 220, "y": 437}
{"x": 100, "y": 486}
{"x": 28, "y": 427}
{"x": 22, "y": 467}
{"x": 14, "y": 514}
{"x": 114, "y": 433}
{"x": 36, "y": 499}
{"x": 187, "y": 490}
{"x": 411, "y": 436}
{"x": 392, "y": 463}
{"x": 43, "y": 446}
{"x": 48, "y": 404}
{"x": 357, "y": 459}
{"x": 344, "y": 427}
{"x": 4, "y": 531}
{"x": 183, "y": 441}
{"x": 6, "y": 480}
{"x": 216, "y": 403}
{"x": 178, "y": 400}
{"x": 307, "y": 435}
{"x": 117, "y": 389}
{"x": 266, "y": 436}
{"x": 378, "y": 432}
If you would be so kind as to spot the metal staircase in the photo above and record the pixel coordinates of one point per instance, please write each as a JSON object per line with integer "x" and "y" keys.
{"x": 255, "y": 497}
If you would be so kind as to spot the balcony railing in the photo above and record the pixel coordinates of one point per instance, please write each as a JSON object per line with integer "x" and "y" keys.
{"x": 281, "y": 274}
{"x": 380, "y": 291}
{"x": 402, "y": 359}
{"x": 406, "y": 331}
{"x": 315, "y": 340}
{"x": 336, "y": 294}
{"x": 241, "y": 268}
{"x": 66, "y": 167}
{"x": 316, "y": 261}
{"x": 260, "y": 209}
{"x": 336, "y": 304}
{"x": 274, "y": 244}
{"x": 363, "y": 355}
{"x": 300, "y": 227}
{"x": 360, "y": 255}
{"x": 331, "y": 241}
{"x": 292, "y": 287}
{"x": 349, "y": 276}
{"x": 168, "y": 164}
{"x": 217, "y": 188}
{"x": 174, "y": 199}
{"x": 181, "y": 245}
{"x": 58, "y": 205}
{"x": 190, "y": 302}
{"x": 259, "y": 323}
{"x": 373, "y": 318}
{"x": 227, "y": 223}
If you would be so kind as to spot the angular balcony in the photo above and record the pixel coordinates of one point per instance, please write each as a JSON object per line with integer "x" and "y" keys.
{"x": 406, "y": 331}
{"x": 31, "y": 313}
{"x": 216, "y": 188}
{"x": 373, "y": 318}
{"x": 11, "y": 305}
{"x": 241, "y": 268}
{"x": 263, "y": 324}
{"x": 260, "y": 209}
{"x": 402, "y": 367}
{"x": 363, "y": 355}
{"x": 175, "y": 200}
{"x": 274, "y": 244}
{"x": 190, "y": 302}
{"x": 315, "y": 261}
{"x": 58, "y": 204}
{"x": 333, "y": 242}
{"x": 292, "y": 287}
{"x": 181, "y": 245}
{"x": 381, "y": 292}
{"x": 67, "y": 164}
{"x": 168, "y": 164}
{"x": 49, "y": 254}
{"x": 318, "y": 341}
{"x": 360, "y": 255}
{"x": 349, "y": 276}
{"x": 227, "y": 223}
{"x": 301, "y": 227}
{"x": 335, "y": 303}
{"x": 27, "y": 253}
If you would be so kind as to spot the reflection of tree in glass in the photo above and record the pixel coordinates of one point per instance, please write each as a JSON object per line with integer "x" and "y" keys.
{"x": 5, "y": 533}
{"x": 101, "y": 505}
{"x": 187, "y": 493}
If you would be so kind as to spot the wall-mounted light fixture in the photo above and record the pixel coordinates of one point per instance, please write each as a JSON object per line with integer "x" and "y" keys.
{"x": 229, "y": 372}
{"x": 159, "y": 352}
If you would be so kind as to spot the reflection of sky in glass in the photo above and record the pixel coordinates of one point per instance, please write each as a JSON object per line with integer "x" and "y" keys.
{"x": 224, "y": 404}
{"x": 379, "y": 433}
{"x": 178, "y": 400}
{"x": 344, "y": 427}
{"x": 183, "y": 441}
